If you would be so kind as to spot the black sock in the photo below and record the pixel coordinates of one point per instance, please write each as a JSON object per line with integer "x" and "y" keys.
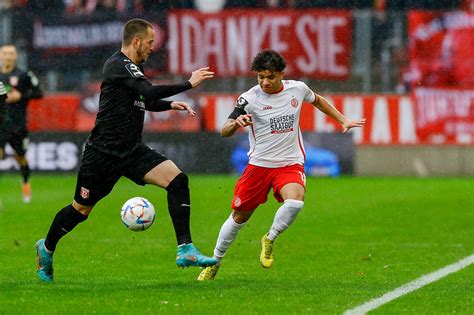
{"x": 64, "y": 221}
{"x": 25, "y": 173}
{"x": 180, "y": 208}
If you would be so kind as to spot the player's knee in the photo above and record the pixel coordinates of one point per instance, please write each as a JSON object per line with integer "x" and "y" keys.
{"x": 294, "y": 206}
{"x": 180, "y": 182}
{"x": 241, "y": 217}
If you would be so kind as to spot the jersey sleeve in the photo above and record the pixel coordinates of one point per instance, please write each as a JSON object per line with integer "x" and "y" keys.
{"x": 309, "y": 95}
{"x": 242, "y": 106}
{"x": 3, "y": 91}
{"x": 123, "y": 71}
{"x": 28, "y": 86}
{"x": 132, "y": 76}
{"x": 34, "y": 86}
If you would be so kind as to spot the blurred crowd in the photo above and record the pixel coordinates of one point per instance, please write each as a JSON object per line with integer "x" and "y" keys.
{"x": 84, "y": 7}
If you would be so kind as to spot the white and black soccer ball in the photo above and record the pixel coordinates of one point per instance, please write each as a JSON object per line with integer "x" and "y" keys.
{"x": 137, "y": 214}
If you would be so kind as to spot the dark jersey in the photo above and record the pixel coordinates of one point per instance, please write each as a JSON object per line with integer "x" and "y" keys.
{"x": 27, "y": 84}
{"x": 125, "y": 94}
{"x": 3, "y": 97}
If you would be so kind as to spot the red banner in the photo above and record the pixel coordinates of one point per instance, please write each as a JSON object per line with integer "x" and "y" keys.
{"x": 445, "y": 115}
{"x": 315, "y": 43}
{"x": 441, "y": 48}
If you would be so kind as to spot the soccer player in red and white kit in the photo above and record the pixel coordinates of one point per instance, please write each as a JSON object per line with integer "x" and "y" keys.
{"x": 272, "y": 111}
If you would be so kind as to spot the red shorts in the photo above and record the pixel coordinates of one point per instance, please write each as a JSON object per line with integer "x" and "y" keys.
{"x": 253, "y": 186}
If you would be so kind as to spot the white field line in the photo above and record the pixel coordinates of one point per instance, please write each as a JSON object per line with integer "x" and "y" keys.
{"x": 411, "y": 286}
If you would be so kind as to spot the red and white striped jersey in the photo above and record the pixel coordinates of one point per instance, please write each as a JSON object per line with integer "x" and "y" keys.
{"x": 275, "y": 136}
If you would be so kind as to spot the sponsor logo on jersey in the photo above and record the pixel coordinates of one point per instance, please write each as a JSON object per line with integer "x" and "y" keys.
{"x": 267, "y": 107}
{"x": 84, "y": 193}
{"x": 294, "y": 102}
{"x": 241, "y": 103}
{"x": 282, "y": 124}
{"x": 134, "y": 70}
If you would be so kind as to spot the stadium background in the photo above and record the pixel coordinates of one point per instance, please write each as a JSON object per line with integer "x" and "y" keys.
{"x": 404, "y": 65}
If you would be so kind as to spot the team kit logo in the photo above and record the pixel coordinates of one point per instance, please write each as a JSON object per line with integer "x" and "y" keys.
{"x": 294, "y": 102}
{"x": 85, "y": 193}
{"x": 237, "y": 201}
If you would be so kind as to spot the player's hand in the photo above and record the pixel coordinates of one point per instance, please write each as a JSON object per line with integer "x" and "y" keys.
{"x": 244, "y": 120}
{"x": 348, "y": 124}
{"x": 13, "y": 96}
{"x": 200, "y": 75}
{"x": 183, "y": 106}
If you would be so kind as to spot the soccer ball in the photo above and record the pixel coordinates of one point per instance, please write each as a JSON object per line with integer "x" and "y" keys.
{"x": 137, "y": 214}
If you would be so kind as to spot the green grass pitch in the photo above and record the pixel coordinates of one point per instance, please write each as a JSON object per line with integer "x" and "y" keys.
{"x": 356, "y": 239}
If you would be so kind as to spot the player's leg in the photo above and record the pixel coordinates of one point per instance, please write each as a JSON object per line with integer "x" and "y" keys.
{"x": 19, "y": 142}
{"x": 150, "y": 167}
{"x": 250, "y": 191}
{"x": 3, "y": 141}
{"x": 97, "y": 176}
{"x": 229, "y": 230}
{"x": 64, "y": 221}
{"x": 227, "y": 234}
{"x": 25, "y": 174}
{"x": 293, "y": 196}
{"x": 167, "y": 175}
{"x": 289, "y": 187}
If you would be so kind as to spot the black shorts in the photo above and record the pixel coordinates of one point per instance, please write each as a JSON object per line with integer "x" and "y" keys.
{"x": 99, "y": 172}
{"x": 18, "y": 140}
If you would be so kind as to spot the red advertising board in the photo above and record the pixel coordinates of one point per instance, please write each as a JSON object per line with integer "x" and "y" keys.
{"x": 440, "y": 116}
{"x": 441, "y": 48}
{"x": 53, "y": 112}
{"x": 315, "y": 43}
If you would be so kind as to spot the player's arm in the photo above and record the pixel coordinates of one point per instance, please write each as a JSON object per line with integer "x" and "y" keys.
{"x": 28, "y": 88}
{"x": 326, "y": 107}
{"x": 3, "y": 93}
{"x": 34, "y": 90}
{"x": 142, "y": 86}
{"x": 13, "y": 96}
{"x": 162, "y": 105}
{"x": 155, "y": 92}
{"x": 237, "y": 119}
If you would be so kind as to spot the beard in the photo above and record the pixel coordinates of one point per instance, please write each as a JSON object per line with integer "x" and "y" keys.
{"x": 141, "y": 53}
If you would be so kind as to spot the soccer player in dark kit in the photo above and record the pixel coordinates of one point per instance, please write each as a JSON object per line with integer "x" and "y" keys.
{"x": 114, "y": 148}
{"x": 21, "y": 86}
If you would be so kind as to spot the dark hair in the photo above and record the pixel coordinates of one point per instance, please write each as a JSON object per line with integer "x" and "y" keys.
{"x": 268, "y": 59}
{"x": 135, "y": 27}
